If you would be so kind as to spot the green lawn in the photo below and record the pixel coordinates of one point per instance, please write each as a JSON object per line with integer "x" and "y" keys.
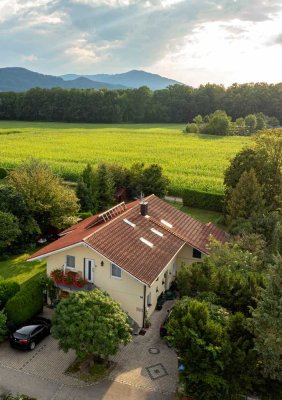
{"x": 204, "y": 216}
{"x": 189, "y": 160}
{"x": 18, "y": 269}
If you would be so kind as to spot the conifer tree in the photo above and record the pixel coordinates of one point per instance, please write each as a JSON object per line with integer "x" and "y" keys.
{"x": 246, "y": 199}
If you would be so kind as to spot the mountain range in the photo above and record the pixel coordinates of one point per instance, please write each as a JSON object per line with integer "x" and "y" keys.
{"x": 18, "y": 79}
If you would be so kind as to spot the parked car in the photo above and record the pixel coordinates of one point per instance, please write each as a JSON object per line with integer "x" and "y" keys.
{"x": 29, "y": 335}
{"x": 163, "y": 330}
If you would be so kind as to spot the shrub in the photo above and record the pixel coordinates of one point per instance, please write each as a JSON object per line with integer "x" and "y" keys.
{"x": 7, "y": 290}
{"x": 3, "y": 327}
{"x": 3, "y": 173}
{"x": 25, "y": 304}
{"x": 192, "y": 128}
{"x": 84, "y": 215}
{"x": 205, "y": 200}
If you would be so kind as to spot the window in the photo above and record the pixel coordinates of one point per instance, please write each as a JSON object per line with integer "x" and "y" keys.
{"x": 149, "y": 300}
{"x": 70, "y": 262}
{"x": 116, "y": 271}
{"x": 197, "y": 253}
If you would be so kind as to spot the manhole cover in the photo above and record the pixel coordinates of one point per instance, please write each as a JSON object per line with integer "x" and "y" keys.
{"x": 154, "y": 350}
{"x": 156, "y": 371}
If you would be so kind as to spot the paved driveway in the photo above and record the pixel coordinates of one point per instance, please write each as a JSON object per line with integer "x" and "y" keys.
{"x": 146, "y": 369}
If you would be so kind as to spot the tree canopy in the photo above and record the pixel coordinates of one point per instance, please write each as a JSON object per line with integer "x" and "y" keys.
{"x": 176, "y": 103}
{"x": 49, "y": 202}
{"x": 90, "y": 323}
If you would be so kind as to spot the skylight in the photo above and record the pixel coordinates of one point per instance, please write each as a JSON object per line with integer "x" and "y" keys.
{"x": 157, "y": 232}
{"x": 129, "y": 223}
{"x": 166, "y": 223}
{"x": 145, "y": 241}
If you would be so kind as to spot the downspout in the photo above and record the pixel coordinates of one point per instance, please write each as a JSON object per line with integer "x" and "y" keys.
{"x": 144, "y": 306}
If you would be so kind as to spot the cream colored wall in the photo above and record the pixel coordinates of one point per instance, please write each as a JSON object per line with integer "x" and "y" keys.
{"x": 186, "y": 256}
{"x": 127, "y": 290}
{"x": 160, "y": 286}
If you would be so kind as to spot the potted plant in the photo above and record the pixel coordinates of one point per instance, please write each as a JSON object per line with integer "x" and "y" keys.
{"x": 57, "y": 275}
{"x": 79, "y": 282}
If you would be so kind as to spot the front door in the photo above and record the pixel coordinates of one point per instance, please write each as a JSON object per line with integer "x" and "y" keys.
{"x": 89, "y": 270}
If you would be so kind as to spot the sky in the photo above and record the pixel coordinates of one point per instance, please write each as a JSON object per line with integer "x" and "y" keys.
{"x": 191, "y": 41}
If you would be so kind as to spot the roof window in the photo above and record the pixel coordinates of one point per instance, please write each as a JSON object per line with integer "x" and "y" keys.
{"x": 164, "y": 222}
{"x": 145, "y": 241}
{"x": 129, "y": 223}
{"x": 157, "y": 232}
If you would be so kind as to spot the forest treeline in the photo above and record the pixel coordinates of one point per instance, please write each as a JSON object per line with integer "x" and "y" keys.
{"x": 176, "y": 104}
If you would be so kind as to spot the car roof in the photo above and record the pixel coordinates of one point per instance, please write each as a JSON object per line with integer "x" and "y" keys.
{"x": 25, "y": 330}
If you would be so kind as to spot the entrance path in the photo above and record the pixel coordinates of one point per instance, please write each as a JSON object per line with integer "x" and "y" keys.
{"x": 146, "y": 370}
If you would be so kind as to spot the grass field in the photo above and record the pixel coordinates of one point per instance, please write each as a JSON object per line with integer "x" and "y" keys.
{"x": 194, "y": 161}
{"x": 19, "y": 270}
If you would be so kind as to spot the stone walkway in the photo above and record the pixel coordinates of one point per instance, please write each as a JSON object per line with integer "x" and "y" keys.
{"x": 147, "y": 363}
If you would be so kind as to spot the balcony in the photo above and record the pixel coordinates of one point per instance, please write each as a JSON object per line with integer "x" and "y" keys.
{"x": 70, "y": 281}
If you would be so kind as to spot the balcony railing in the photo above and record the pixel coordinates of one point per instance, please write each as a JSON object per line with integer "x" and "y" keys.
{"x": 70, "y": 280}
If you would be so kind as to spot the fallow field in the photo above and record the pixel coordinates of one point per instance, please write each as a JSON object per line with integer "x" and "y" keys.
{"x": 194, "y": 161}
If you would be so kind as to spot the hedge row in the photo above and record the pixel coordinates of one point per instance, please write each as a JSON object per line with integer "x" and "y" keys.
{"x": 8, "y": 289}
{"x": 25, "y": 304}
{"x": 205, "y": 200}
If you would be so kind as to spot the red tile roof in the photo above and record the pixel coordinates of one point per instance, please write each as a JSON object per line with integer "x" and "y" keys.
{"x": 120, "y": 242}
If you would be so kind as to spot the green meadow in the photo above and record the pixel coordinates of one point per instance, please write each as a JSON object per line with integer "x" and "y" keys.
{"x": 189, "y": 160}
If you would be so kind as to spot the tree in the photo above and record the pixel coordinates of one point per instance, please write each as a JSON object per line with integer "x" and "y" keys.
{"x": 153, "y": 181}
{"x": 267, "y": 323}
{"x": 261, "y": 121}
{"x": 246, "y": 199}
{"x": 13, "y": 202}
{"x": 241, "y": 369}
{"x": 240, "y": 127}
{"x": 90, "y": 323}
{"x": 49, "y": 201}
{"x": 219, "y": 124}
{"x": 202, "y": 345}
{"x": 3, "y": 327}
{"x": 265, "y": 166}
{"x": 251, "y": 123}
{"x": 9, "y": 230}
{"x": 105, "y": 187}
{"x": 192, "y": 128}
{"x": 86, "y": 190}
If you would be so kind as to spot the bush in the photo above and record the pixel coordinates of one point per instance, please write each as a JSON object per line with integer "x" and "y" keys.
{"x": 84, "y": 215}
{"x": 3, "y": 173}
{"x": 3, "y": 327}
{"x": 204, "y": 200}
{"x": 8, "y": 289}
{"x": 25, "y": 304}
{"x": 192, "y": 128}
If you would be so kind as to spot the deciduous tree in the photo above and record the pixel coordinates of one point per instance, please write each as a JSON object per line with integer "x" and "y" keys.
{"x": 267, "y": 323}
{"x": 90, "y": 323}
{"x": 48, "y": 201}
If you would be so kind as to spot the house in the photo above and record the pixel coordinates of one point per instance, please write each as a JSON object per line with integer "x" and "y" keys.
{"x": 132, "y": 251}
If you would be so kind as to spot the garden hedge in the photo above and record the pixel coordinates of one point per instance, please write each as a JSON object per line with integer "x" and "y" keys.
{"x": 25, "y": 304}
{"x": 204, "y": 200}
{"x": 8, "y": 289}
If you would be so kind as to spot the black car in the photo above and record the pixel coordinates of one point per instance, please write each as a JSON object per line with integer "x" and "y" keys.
{"x": 163, "y": 330}
{"x": 29, "y": 335}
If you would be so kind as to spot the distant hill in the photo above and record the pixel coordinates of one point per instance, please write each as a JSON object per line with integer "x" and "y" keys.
{"x": 132, "y": 79}
{"x": 17, "y": 79}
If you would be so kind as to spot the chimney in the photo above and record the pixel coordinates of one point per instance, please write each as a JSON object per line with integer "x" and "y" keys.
{"x": 144, "y": 208}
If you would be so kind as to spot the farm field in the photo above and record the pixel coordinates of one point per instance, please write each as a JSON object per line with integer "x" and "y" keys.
{"x": 189, "y": 160}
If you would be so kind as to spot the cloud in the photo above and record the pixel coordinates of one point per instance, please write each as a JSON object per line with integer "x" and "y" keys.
{"x": 277, "y": 40}
{"x": 115, "y": 35}
{"x": 29, "y": 58}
